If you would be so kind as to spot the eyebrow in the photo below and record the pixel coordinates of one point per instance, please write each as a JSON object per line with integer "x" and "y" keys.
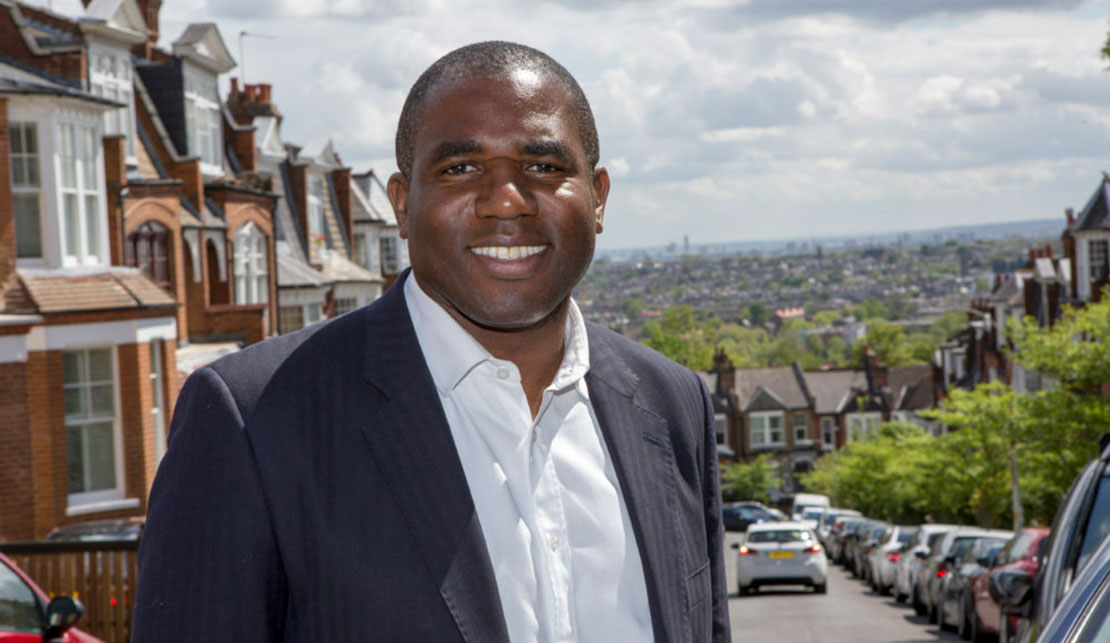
{"x": 449, "y": 149}
{"x": 547, "y": 148}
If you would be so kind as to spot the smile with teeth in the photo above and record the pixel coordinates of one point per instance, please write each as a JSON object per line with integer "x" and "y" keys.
{"x": 507, "y": 252}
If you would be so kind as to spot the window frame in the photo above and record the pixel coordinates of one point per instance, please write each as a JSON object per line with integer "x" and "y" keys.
{"x": 116, "y": 492}
{"x": 250, "y": 265}
{"x": 114, "y": 80}
{"x": 203, "y": 120}
{"x": 804, "y": 427}
{"x": 766, "y": 430}
{"x": 80, "y": 154}
{"x": 828, "y": 432}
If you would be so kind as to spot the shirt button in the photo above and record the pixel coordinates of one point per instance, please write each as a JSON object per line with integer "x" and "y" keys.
{"x": 553, "y": 541}
{"x": 502, "y": 373}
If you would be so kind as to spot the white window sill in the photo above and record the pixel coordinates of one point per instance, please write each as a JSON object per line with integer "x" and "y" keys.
{"x": 98, "y": 507}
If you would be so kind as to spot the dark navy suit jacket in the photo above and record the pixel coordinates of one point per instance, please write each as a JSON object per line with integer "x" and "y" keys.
{"x": 312, "y": 492}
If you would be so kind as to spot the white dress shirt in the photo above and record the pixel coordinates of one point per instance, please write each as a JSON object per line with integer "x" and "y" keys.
{"x": 555, "y": 523}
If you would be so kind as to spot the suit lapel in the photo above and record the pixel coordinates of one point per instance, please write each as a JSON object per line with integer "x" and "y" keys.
{"x": 412, "y": 445}
{"x": 639, "y": 442}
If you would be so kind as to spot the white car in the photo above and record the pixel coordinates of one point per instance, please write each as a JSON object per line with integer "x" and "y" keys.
{"x": 780, "y": 553}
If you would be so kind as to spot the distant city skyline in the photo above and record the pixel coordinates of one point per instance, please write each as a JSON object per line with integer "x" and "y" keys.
{"x": 734, "y": 119}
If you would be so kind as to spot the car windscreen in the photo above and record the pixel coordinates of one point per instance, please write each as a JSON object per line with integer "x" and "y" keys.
{"x": 779, "y": 536}
{"x": 904, "y": 535}
{"x": 812, "y": 515}
{"x": 933, "y": 537}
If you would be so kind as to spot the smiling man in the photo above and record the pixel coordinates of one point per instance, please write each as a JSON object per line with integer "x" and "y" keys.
{"x": 466, "y": 459}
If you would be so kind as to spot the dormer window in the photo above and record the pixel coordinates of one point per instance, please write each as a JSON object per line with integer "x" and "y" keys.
{"x": 26, "y": 189}
{"x": 110, "y": 76}
{"x": 203, "y": 127}
{"x": 79, "y": 188}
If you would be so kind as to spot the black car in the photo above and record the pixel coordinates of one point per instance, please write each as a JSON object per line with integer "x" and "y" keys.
{"x": 1080, "y": 524}
{"x": 738, "y": 515}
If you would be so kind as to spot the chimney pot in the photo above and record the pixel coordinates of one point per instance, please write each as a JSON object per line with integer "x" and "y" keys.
{"x": 1070, "y": 214}
{"x": 1048, "y": 250}
{"x": 234, "y": 85}
{"x": 265, "y": 92}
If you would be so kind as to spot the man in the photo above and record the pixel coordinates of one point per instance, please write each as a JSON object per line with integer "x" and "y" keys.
{"x": 465, "y": 459}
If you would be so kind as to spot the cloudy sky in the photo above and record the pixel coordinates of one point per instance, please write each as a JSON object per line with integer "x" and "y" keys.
{"x": 730, "y": 120}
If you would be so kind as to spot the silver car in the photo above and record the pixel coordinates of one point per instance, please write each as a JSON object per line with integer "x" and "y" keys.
{"x": 780, "y": 553}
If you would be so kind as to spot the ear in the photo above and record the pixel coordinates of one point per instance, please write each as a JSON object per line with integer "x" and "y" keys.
{"x": 601, "y": 194}
{"x": 398, "y": 190}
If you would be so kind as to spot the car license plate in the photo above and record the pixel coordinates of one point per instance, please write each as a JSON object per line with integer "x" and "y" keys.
{"x": 782, "y": 554}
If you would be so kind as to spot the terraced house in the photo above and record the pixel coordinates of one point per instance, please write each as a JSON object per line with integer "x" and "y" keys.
{"x": 146, "y": 228}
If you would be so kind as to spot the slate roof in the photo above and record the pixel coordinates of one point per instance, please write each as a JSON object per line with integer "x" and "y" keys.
{"x": 828, "y": 387}
{"x": 294, "y": 272}
{"x": 910, "y": 387}
{"x": 783, "y": 382}
{"x": 1096, "y": 214}
{"x": 338, "y": 268}
{"x": 18, "y": 79}
{"x": 113, "y": 288}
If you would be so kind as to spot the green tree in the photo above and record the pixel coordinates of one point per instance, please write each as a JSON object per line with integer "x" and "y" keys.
{"x": 757, "y": 314}
{"x": 826, "y": 317}
{"x": 887, "y": 342}
{"x": 750, "y": 480}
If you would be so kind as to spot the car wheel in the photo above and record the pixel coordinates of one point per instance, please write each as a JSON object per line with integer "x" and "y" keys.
{"x": 918, "y": 606}
{"x": 963, "y": 627}
{"x": 932, "y": 613}
{"x": 974, "y": 630}
{"x": 821, "y": 588}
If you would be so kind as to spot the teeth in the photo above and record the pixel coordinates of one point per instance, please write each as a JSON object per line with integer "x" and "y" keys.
{"x": 507, "y": 252}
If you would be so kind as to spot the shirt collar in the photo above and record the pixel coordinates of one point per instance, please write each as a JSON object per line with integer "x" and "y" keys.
{"x": 452, "y": 353}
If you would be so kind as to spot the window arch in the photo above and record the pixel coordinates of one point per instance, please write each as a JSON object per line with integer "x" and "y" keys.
{"x": 251, "y": 268}
{"x": 148, "y": 249}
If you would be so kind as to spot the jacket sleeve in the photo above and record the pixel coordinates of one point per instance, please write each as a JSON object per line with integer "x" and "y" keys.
{"x": 209, "y": 568}
{"x": 714, "y": 526}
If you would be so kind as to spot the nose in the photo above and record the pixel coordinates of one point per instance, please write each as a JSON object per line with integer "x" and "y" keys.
{"x": 504, "y": 193}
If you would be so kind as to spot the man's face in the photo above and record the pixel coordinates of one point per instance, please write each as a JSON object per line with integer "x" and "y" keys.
{"x": 502, "y": 207}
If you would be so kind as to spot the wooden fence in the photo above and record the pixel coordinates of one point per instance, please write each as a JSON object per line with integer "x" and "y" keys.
{"x": 101, "y": 574}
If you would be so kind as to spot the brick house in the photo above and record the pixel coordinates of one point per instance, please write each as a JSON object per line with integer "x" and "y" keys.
{"x": 795, "y": 415}
{"x": 87, "y": 344}
{"x": 134, "y": 245}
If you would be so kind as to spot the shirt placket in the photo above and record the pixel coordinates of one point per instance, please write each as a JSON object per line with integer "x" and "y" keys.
{"x": 550, "y": 518}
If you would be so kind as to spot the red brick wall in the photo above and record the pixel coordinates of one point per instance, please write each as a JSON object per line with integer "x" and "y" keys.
{"x": 7, "y": 221}
{"x": 48, "y": 454}
{"x": 115, "y": 176}
{"x": 242, "y": 145}
{"x": 189, "y": 172}
{"x": 17, "y": 474}
{"x": 342, "y": 180}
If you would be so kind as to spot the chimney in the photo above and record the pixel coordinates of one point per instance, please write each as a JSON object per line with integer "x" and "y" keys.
{"x": 1070, "y": 214}
{"x": 150, "y": 9}
{"x": 1048, "y": 250}
{"x": 264, "y": 92}
{"x": 235, "y": 84}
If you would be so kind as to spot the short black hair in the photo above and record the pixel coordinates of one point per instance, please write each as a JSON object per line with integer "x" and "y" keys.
{"x": 492, "y": 58}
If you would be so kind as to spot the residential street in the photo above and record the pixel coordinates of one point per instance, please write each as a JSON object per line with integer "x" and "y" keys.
{"x": 849, "y": 613}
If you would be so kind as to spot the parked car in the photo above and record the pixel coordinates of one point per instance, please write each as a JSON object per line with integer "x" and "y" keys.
{"x": 975, "y": 561}
{"x": 884, "y": 557}
{"x": 867, "y": 543}
{"x": 803, "y": 501}
{"x": 937, "y": 567}
{"x": 911, "y": 557}
{"x": 1083, "y": 615}
{"x": 1079, "y": 526}
{"x": 828, "y": 519}
{"x": 1023, "y": 551}
{"x": 838, "y": 534}
{"x": 865, "y": 535}
{"x": 782, "y": 553}
{"x": 27, "y": 615}
{"x": 738, "y": 515}
{"x": 811, "y": 517}
{"x": 112, "y": 529}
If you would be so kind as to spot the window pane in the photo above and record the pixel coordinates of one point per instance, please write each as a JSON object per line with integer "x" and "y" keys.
{"x": 88, "y": 159}
{"x": 75, "y": 460}
{"x": 28, "y": 230}
{"x": 30, "y": 138}
{"x": 100, "y": 452}
{"x": 73, "y": 231}
{"x": 73, "y": 366}
{"x": 17, "y": 130}
{"x": 102, "y": 403}
{"x": 75, "y": 404}
{"x": 92, "y": 224}
{"x": 100, "y": 365}
{"x": 19, "y": 175}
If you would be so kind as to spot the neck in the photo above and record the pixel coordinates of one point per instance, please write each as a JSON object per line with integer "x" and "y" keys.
{"x": 536, "y": 350}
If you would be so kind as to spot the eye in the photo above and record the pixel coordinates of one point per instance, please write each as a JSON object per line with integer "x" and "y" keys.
{"x": 460, "y": 168}
{"x": 543, "y": 168}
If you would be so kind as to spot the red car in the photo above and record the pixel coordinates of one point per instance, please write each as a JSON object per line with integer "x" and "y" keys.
{"x": 1021, "y": 552}
{"x": 28, "y": 615}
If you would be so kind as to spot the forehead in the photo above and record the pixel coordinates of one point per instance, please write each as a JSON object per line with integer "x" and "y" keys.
{"x": 520, "y": 104}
